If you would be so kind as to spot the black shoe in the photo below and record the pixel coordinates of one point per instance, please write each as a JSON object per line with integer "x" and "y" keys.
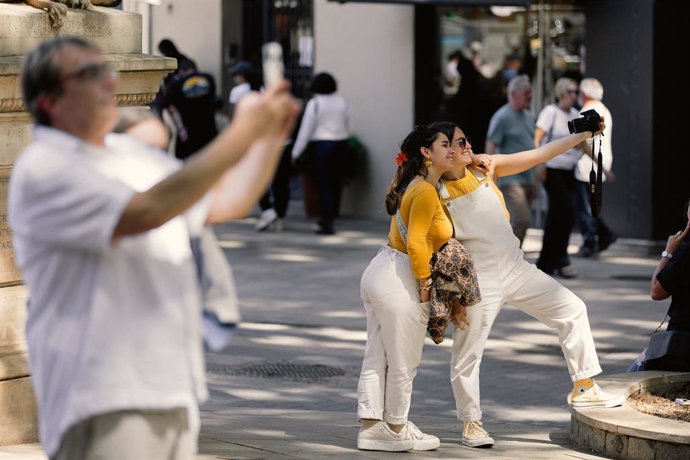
{"x": 325, "y": 231}
{"x": 604, "y": 244}
{"x": 567, "y": 272}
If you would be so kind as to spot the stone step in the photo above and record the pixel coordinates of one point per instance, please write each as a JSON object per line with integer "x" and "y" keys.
{"x": 140, "y": 76}
{"x": 12, "y": 339}
{"x": 23, "y": 27}
{"x": 18, "y": 421}
{"x": 623, "y": 432}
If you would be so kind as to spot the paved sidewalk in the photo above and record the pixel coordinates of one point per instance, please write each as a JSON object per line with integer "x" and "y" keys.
{"x": 286, "y": 387}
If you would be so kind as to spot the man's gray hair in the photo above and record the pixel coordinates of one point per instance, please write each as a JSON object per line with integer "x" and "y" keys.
{"x": 518, "y": 83}
{"x": 591, "y": 87}
{"x": 41, "y": 73}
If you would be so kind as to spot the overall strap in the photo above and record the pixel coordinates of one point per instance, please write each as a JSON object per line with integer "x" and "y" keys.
{"x": 402, "y": 228}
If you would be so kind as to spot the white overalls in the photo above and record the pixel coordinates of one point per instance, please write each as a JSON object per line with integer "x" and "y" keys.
{"x": 505, "y": 276}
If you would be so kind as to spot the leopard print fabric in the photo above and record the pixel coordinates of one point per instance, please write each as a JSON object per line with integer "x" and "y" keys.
{"x": 453, "y": 275}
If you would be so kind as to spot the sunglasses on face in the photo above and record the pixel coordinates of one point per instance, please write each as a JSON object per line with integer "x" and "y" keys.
{"x": 571, "y": 91}
{"x": 462, "y": 141}
{"x": 92, "y": 72}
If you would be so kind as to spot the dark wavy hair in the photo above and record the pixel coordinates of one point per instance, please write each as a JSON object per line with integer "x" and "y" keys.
{"x": 421, "y": 136}
{"x": 446, "y": 127}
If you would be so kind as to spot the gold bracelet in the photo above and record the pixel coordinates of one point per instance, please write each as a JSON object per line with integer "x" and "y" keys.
{"x": 425, "y": 283}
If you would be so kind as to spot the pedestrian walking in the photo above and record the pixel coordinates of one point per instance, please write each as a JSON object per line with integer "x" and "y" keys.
{"x": 191, "y": 101}
{"x": 102, "y": 226}
{"x": 596, "y": 235}
{"x": 481, "y": 224}
{"x": 511, "y": 130}
{"x": 559, "y": 181}
{"x": 325, "y": 128}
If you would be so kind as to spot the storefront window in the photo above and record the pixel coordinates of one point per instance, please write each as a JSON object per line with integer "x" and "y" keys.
{"x": 544, "y": 41}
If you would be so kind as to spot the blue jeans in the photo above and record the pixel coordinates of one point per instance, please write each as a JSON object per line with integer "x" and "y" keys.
{"x": 593, "y": 229}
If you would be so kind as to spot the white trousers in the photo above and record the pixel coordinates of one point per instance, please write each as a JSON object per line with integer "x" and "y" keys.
{"x": 537, "y": 294}
{"x": 396, "y": 327}
{"x": 129, "y": 435}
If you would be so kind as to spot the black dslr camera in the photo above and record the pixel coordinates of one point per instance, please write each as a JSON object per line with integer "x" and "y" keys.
{"x": 589, "y": 121}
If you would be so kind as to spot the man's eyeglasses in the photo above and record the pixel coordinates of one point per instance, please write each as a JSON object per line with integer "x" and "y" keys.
{"x": 463, "y": 141}
{"x": 571, "y": 91}
{"x": 92, "y": 72}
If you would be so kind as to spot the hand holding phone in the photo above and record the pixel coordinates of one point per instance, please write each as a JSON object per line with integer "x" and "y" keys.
{"x": 272, "y": 63}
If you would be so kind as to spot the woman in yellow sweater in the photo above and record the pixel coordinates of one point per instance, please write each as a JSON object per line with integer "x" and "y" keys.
{"x": 395, "y": 291}
{"x": 482, "y": 225}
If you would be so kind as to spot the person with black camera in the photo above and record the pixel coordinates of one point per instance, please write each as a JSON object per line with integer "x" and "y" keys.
{"x": 559, "y": 180}
{"x": 481, "y": 223}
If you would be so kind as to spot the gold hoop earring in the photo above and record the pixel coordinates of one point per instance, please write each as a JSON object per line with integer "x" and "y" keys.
{"x": 428, "y": 163}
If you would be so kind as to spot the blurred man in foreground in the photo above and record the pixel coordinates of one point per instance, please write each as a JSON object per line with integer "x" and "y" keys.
{"x": 102, "y": 225}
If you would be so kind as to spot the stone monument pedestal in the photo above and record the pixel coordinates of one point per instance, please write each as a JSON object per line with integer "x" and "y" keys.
{"x": 118, "y": 35}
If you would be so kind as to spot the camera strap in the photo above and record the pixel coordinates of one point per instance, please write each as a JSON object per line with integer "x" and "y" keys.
{"x": 595, "y": 182}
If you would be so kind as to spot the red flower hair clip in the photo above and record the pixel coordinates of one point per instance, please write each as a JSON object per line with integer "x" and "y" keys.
{"x": 401, "y": 158}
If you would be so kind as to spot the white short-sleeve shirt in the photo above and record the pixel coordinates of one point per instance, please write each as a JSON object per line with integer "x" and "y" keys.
{"x": 555, "y": 121}
{"x": 111, "y": 325}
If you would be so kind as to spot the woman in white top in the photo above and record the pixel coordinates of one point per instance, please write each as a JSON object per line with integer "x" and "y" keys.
{"x": 552, "y": 124}
{"x": 324, "y": 129}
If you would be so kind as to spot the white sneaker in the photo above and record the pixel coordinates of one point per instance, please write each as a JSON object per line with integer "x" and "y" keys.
{"x": 422, "y": 441}
{"x": 381, "y": 437}
{"x": 266, "y": 218}
{"x": 474, "y": 435}
{"x": 595, "y": 397}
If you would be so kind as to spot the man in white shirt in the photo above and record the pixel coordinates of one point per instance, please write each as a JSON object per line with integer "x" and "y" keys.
{"x": 596, "y": 235}
{"x": 102, "y": 227}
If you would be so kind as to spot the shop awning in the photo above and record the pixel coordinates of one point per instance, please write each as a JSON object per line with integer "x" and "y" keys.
{"x": 524, "y": 3}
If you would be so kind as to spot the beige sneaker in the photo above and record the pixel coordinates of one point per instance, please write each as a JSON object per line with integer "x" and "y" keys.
{"x": 474, "y": 435}
{"x": 422, "y": 441}
{"x": 595, "y": 397}
{"x": 380, "y": 437}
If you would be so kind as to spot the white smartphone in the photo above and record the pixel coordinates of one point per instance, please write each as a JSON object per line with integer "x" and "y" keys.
{"x": 272, "y": 63}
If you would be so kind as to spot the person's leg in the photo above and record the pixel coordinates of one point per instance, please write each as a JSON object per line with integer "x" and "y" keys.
{"x": 560, "y": 186}
{"x": 518, "y": 205}
{"x": 396, "y": 325}
{"x": 129, "y": 434}
{"x": 606, "y": 237}
{"x": 585, "y": 221}
{"x": 325, "y": 183}
{"x": 266, "y": 201}
{"x": 268, "y": 214}
{"x": 281, "y": 182}
{"x": 547, "y": 300}
{"x": 567, "y": 217}
{"x": 548, "y": 257}
{"x": 466, "y": 357}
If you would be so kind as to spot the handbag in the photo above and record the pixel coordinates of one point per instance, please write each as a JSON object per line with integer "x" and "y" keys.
{"x": 667, "y": 351}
